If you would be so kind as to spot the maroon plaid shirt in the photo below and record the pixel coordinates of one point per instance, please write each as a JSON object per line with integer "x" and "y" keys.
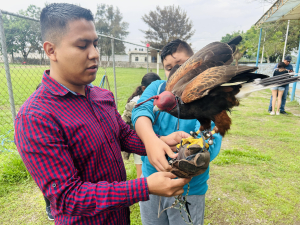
{"x": 71, "y": 145}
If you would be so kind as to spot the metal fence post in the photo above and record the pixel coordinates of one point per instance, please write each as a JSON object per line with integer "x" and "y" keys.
{"x": 7, "y": 71}
{"x": 114, "y": 68}
{"x": 296, "y": 71}
{"x": 286, "y": 37}
{"x": 157, "y": 61}
{"x": 257, "y": 57}
{"x": 147, "y": 60}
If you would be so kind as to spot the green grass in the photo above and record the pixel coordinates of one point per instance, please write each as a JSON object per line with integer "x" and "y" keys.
{"x": 254, "y": 179}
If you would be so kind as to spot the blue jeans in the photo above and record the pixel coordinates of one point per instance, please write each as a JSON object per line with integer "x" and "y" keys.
{"x": 283, "y": 100}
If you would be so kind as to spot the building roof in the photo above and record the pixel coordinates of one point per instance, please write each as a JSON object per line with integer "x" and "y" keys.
{"x": 281, "y": 10}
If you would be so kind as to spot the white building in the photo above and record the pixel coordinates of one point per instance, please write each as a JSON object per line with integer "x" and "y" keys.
{"x": 139, "y": 55}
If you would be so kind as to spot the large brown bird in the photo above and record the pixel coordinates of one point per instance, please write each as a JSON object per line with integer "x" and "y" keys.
{"x": 206, "y": 86}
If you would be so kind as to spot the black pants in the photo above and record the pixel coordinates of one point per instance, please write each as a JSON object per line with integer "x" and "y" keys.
{"x": 47, "y": 201}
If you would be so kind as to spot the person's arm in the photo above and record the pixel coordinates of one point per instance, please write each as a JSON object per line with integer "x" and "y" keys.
{"x": 156, "y": 147}
{"x": 44, "y": 151}
{"x": 142, "y": 119}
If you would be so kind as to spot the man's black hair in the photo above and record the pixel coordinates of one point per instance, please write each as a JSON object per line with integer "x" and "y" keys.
{"x": 281, "y": 65}
{"x": 176, "y": 46}
{"x": 55, "y": 17}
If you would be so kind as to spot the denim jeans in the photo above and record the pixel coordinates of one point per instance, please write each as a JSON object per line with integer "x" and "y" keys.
{"x": 283, "y": 100}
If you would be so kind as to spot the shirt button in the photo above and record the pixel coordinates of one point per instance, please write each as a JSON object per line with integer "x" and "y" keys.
{"x": 54, "y": 185}
{"x": 111, "y": 140}
{"x": 101, "y": 119}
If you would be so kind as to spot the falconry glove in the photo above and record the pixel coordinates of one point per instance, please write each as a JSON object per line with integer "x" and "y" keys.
{"x": 193, "y": 158}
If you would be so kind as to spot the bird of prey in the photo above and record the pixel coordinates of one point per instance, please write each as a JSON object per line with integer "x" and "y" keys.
{"x": 207, "y": 86}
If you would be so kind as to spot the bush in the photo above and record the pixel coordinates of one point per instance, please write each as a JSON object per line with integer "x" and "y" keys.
{"x": 12, "y": 168}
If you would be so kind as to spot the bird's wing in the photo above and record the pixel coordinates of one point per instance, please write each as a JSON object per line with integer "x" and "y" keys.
{"x": 214, "y": 54}
{"x": 211, "y": 78}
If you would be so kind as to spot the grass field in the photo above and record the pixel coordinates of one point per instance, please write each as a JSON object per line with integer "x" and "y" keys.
{"x": 254, "y": 179}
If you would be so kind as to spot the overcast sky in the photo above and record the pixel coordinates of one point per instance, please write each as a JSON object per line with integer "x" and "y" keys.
{"x": 212, "y": 19}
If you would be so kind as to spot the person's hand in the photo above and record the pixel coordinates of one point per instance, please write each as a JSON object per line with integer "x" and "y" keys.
{"x": 158, "y": 148}
{"x": 173, "y": 139}
{"x": 164, "y": 184}
{"x": 156, "y": 152}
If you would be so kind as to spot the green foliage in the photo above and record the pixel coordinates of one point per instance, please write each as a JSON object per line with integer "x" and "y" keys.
{"x": 228, "y": 37}
{"x": 108, "y": 21}
{"x": 273, "y": 38}
{"x": 167, "y": 24}
{"x": 23, "y": 35}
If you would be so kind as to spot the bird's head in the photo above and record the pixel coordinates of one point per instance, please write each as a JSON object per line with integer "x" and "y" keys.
{"x": 166, "y": 101}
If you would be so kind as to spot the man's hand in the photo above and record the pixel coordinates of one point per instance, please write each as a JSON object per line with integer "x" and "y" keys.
{"x": 164, "y": 184}
{"x": 173, "y": 139}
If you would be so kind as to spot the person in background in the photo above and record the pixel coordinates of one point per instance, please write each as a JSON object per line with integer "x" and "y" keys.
{"x": 126, "y": 116}
{"x": 278, "y": 91}
{"x": 287, "y": 61}
{"x": 148, "y": 125}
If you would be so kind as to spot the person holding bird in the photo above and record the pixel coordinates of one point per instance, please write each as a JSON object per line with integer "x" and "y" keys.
{"x": 148, "y": 125}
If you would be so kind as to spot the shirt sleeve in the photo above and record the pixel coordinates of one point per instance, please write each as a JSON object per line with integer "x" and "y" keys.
{"x": 44, "y": 150}
{"x": 146, "y": 109}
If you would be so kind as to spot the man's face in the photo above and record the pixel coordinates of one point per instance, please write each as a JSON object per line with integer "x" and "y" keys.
{"x": 76, "y": 53}
{"x": 171, "y": 60}
{"x": 286, "y": 62}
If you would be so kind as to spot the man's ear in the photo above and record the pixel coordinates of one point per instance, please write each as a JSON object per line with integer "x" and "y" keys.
{"x": 143, "y": 88}
{"x": 49, "y": 48}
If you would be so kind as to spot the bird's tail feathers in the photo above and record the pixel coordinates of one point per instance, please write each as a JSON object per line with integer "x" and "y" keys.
{"x": 261, "y": 84}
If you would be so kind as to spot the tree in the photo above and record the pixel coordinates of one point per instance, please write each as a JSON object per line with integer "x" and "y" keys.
{"x": 108, "y": 21}
{"x": 167, "y": 24}
{"x": 228, "y": 37}
{"x": 274, "y": 35}
{"x": 23, "y": 35}
{"x": 10, "y": 31}
{"x": 29, "y": 35}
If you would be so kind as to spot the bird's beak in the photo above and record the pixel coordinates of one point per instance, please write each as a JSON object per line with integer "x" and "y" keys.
{"x": 155, "y": 109}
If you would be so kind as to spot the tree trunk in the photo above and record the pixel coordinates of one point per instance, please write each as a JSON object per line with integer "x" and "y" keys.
{"x": 12, "y": 57}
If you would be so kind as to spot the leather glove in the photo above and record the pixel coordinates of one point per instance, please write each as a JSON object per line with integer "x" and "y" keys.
{"x": 191, "y": 161}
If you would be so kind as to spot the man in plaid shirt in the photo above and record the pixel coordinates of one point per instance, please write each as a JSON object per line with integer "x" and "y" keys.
{"x": 70, "y": 135}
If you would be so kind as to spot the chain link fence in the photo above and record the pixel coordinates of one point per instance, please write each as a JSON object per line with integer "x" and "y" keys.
{"x": 23, "y": 61}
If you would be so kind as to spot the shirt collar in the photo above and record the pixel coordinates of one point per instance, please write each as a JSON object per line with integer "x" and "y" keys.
{"x": 55, "y": 87}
